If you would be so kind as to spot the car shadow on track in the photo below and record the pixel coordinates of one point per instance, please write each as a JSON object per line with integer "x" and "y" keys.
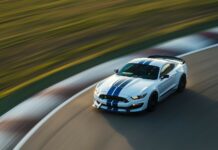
{"x": 187, "y": 120}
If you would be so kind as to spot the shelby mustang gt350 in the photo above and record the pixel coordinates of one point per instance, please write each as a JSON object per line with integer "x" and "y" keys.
{"x": 141, "y": 84}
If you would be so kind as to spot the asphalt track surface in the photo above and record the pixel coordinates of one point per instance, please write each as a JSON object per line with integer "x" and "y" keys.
{"x": 188, "y": 120}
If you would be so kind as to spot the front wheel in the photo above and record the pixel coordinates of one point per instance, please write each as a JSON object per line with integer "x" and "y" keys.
{"x": 152, "y": 102}
{"x": 182, "y": 84}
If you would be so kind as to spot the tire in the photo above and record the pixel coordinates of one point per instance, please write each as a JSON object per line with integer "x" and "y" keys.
{"x": 182, "y": 84}
{"x": 152, "y": 102}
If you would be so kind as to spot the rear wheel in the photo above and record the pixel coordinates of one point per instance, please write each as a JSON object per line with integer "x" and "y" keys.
{"x": 152, "y": 102}
{"x": 182, "y": 84}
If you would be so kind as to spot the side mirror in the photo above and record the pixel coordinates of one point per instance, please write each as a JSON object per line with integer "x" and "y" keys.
{"x": 116, "y": 70}
{"x": 164, "y": 76}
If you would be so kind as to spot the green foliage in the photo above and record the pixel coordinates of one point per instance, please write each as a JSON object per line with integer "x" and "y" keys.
{"x": 39, "y": 36}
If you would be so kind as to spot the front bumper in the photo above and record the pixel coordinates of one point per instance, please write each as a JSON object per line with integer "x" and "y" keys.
{"x": 117, "y": 106}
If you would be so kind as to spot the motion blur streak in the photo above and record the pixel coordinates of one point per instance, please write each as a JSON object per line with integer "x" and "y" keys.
{"x": 40, "y": 36}
{"x": 50, "y": 98}
{"x": 43, "y": 37}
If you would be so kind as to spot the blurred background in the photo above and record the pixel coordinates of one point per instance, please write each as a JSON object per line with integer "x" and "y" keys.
{"x": 41, "y": 37}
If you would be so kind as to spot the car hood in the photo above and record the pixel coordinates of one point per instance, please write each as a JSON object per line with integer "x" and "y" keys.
{"x": 116, "y": 85}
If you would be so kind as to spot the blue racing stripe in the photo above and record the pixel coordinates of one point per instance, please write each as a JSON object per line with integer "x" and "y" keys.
{"x": 141, "y": 62}
{"x": 144, "y": 62}
{"x": 115, "y": 103}
{"x": 118, "y": 89}
{"x": 115, "y": 109}
{"x": 117, "y": 83}
{"x": 109, "y": 108}
{"x": 147, "y": 62}
{"x": 111, "y": 90}
{"x": 109, "y": 102}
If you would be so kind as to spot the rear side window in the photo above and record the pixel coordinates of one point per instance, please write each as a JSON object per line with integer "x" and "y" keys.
{"x": 166, "y": 69}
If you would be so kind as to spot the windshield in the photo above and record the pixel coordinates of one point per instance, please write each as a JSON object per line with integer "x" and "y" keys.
{"x": 140, "y": 71}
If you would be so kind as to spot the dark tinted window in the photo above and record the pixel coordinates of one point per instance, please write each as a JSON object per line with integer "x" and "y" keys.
{"x": 140, "y": 70}
{"x": 166, "y": 69}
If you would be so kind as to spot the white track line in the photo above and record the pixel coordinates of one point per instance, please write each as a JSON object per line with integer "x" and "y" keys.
{"x": 196, "y": 51}
{"x": 41, "y": 122}
{"x": 47, "y": 117}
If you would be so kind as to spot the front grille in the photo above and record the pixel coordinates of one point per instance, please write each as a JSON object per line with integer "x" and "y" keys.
{"x": 127, "y": 108}
{"x": 117, "y": 98}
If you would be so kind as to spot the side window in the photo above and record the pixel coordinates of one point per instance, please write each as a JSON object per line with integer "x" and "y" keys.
{"x": 166, "y": 69}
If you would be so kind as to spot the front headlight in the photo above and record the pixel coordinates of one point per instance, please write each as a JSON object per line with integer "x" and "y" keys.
{"x": 138, "y": 96}
{"x": 96, "y": 92}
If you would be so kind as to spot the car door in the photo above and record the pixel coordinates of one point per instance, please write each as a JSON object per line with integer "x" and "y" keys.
{"x": 166, "y": 78}
{"x": 172, "y": 76}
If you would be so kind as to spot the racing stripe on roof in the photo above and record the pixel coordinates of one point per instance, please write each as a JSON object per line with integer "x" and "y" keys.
{"x": 147, "y": 62}
{"x": 119, "y": 88}
{"x": 144, "y": 62}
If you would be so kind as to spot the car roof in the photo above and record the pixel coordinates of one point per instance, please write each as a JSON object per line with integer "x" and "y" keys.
{"x": 150, "y": 61}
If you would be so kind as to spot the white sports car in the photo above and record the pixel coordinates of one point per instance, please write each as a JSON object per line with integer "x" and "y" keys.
{"x": 141, "y": 84}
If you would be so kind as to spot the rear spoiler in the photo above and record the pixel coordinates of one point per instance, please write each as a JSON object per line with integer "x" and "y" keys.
{"x": 167, "y": 57}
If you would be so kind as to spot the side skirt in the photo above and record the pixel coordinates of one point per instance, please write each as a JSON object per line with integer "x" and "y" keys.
{"x": 166, "y": 94}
